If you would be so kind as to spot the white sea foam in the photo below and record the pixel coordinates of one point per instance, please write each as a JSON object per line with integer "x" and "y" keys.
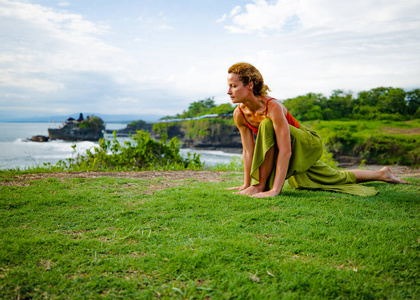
{"x": 211, "y": 157}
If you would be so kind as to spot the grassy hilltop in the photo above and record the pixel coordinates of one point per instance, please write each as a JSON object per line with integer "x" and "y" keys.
{"x": 180, "y": 235}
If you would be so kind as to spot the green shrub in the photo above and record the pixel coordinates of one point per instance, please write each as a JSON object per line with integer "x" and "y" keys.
{"x": 327, "y": 157}
{"x": 93, "y": 122}
{"x": 138, "y": 123}
{"x": 141, "y": 153}
{"x": 161, "y": 130}
{"x": 387, "y": 149}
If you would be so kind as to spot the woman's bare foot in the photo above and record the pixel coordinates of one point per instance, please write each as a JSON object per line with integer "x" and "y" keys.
{"x": 389, "y": 177}
{"x": 252, "y": 190}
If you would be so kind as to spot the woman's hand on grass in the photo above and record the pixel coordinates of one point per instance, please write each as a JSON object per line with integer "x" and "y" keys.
{"x": 239, "y": 188}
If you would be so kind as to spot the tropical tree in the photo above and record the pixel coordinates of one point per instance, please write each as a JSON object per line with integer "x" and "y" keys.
{"x": 392, "y": 101}
{"x": 308, "y": 107}
{"x": 413, "y": 99}
{"x": 340, "y": 105}
{"x": 198, "y": 108}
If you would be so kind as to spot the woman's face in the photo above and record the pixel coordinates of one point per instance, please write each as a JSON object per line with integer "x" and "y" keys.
{"x": 237, "y": 90}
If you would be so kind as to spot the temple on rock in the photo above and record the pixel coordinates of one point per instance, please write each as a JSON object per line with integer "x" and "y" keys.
{"x": 89, "y": 129}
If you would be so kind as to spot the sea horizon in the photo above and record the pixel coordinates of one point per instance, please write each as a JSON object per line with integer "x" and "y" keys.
{"x": 107, "y": 118}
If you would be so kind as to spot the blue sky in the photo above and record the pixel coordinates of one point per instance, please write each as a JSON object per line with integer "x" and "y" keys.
{"x": 156, "y": 57}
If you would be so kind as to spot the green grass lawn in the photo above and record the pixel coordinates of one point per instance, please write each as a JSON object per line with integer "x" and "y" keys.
{"x": 119, "y": 238}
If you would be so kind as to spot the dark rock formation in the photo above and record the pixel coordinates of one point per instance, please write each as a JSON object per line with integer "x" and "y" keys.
{"x": 89, "y": 129}
{"x": 39, "y": 138}
{"x": 214, "y": 136}
{"x": 72, "y": 132}
{"x": 212, "y": 142}
{"x": 80, "y": 119}
{"x": 132, "y": 128}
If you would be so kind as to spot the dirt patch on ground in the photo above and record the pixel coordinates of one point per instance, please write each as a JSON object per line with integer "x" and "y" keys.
{"x": 170, "y": 178}
{"x": 406, "y": 131}
{"x": 174, "y": 178}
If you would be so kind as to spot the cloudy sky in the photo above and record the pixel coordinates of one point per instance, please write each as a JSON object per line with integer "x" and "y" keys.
{"x": 157, "y": 56}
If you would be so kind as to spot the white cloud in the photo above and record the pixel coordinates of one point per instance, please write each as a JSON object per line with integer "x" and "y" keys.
{"x": 260, "y": 16}
{"x": 128, "y": 100}
{"x": 158, "y": 22}
{"x": 205, "y": 79}
{"x": 317, "y": 46}
{"x": 222, "y": 19}
{"x": 327, "y": 16}
{"x": 164, "y": 27}
{"x": 236, "y": 10}
{"x": 12, "y": 79}
{"x": 46, "y": 43}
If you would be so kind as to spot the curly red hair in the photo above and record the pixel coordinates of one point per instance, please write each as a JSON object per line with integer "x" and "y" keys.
{"x": 248, "y": 73}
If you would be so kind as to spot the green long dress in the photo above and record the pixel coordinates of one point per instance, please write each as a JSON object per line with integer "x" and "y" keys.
{"x": 305, "y": 171}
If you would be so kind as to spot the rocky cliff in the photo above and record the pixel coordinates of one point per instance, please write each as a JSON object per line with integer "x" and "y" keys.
{"x": 132, "y": 129}
{"x": 89, "y": 129}
{"x": 72, "y": 132}
{"x": 203, "y": 134}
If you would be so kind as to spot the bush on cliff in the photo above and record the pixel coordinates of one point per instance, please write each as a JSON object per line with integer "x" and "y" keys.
{"x": 209, "y": 128}
{"x": 141, "y": 153}
{"x": 195, "y": 129}
{"x": 93, "y": 122}
{"x": 204, "y": 107}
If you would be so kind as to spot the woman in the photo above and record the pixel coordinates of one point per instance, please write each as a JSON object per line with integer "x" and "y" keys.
{"x": 284, "y": 148}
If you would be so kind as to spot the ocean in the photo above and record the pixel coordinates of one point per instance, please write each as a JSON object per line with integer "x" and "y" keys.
{"x": 17, "y": 152}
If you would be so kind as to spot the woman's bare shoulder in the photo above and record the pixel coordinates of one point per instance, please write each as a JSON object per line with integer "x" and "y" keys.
{"x": 237, "y": 116}
{"x": 236, "y": 112}
{"x": 276, "y": 107}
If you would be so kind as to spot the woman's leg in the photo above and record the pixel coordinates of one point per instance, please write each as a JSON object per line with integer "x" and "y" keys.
{"x": 265, "y": 172}
{"x": 383, "y": 174}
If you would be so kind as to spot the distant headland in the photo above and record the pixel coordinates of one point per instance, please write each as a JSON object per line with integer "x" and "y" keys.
{"x": 89, "y": 129}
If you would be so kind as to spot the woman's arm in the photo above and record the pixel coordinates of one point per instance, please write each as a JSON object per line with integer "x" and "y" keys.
{"x": 282, "y": 132}
{"x": 248, "y": 145}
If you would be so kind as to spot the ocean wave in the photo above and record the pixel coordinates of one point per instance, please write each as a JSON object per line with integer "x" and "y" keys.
{"x": 209, "y": 152}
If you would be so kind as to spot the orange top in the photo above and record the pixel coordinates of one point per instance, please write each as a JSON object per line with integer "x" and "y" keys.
{"x": 292, "y": 121}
